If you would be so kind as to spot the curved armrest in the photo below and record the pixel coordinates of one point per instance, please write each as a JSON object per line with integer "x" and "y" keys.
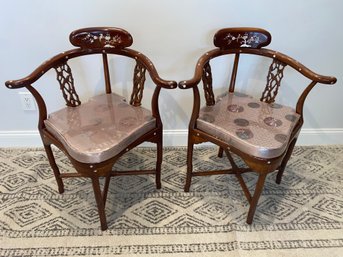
{"x": 169, "y": 84}
{"x": 296, "y": 65}
{"x": 43, "y": 68}
{"x": 47, "y": 65}
{"x": 185, "y": 84}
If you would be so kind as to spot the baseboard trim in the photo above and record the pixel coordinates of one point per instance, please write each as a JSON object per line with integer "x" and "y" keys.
{"x": 24, "y": 138}
{"x": 176, "y": 137}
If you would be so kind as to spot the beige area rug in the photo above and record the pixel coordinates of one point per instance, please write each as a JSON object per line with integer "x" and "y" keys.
{"x": 301, "y": 217}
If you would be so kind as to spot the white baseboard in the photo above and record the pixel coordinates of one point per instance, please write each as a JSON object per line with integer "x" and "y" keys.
{"x": 177, "y": 137}
{"x": 24, "y": 138}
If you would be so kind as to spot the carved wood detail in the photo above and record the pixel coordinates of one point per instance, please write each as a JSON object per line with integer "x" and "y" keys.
{"x": 101, "y": 37}
{"x": 66, "y": 81}
{"x": 207, "y": 81}
{"x": 138, "y": 84}
{"x": 230, "y": 38}
{"x": 274, "y": 78}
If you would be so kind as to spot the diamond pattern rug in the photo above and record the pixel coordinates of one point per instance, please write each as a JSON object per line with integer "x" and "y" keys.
{"x": 301, "y": 217}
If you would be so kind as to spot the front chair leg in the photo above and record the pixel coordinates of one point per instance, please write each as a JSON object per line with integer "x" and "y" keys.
{"x": 100, "y": 202}
{"x": 189, "y": 164}
{"x": 54, "y": 167}
{"x": 255, "y": 198}
{"x": 284, "y": 161}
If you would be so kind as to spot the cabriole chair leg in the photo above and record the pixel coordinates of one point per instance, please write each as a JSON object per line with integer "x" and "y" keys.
{"x": 284, "y": 161}
{"x": 54, "y": 167}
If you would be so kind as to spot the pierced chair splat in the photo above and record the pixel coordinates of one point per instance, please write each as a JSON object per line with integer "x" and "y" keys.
{"x": 96, "y": 133}
{"x": 260, "y": 131}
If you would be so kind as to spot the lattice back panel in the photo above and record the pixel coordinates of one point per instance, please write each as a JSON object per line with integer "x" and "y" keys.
{"x": 274, "y": 78}
{"x": 66, "y": 81}
{"x": 138, "y": 84}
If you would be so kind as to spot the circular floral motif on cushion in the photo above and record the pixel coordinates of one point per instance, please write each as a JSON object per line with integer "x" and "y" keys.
{"x": 270, "y": 121}
{"x": 235, "y": 108}
{"x": 254, "y": 105}
{"x": 208, "y": 118}
{"x": 244, "y": 133}
{"x": 241, "y": 122}
{"x": 281, "y": 138}
{"x": 276, "y": 106}
{"x": 291, "y": 117}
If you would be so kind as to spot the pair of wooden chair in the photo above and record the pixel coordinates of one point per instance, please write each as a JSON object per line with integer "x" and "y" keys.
{"x": 95, "y": 134}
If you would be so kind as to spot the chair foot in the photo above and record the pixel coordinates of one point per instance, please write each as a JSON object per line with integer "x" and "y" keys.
{"x": 279, "y": 176}
{"x": 255, "y": 198}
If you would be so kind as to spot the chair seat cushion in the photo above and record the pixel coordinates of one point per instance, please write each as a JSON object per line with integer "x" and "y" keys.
{"x": 100, "y": 128}
{"x": 256, "y": 128}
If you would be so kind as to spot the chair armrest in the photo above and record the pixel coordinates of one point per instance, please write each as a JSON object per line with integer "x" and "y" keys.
{"x": 43, "y": 68}
{"x": 168, "y": 84}
{"x": 185, "y": 84}
{"x": 203, "y": 60}
{"x": 294, "y": 64}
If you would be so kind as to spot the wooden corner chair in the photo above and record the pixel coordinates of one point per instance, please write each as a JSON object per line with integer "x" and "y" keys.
{"x": 261, "y": 132}
{"x": 96, "y": 133}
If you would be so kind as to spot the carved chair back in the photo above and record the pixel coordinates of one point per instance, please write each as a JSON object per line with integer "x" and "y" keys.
{"x": 219, "y": 123}
{"x": 249, "y": 41}
{"x": 109, "y": 146}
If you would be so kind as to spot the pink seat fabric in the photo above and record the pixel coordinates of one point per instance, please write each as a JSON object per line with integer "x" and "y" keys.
{"x": 254, "y": 127}
{"x": 100, "y": 128}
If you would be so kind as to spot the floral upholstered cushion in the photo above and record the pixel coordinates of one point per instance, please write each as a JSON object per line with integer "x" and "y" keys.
{"x": 100, "y": 128}
{"x": 254, "y": 127}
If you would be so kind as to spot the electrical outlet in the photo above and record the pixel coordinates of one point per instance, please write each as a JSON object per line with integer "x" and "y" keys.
{"x": 27, "y": 101}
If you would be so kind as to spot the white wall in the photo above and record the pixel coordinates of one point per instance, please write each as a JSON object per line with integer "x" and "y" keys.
{"x": 173, "y": 34}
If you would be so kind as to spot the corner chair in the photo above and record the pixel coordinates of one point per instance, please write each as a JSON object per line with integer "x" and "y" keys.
{"x": 95, "y": 134}
{"x": 258, "y": 130}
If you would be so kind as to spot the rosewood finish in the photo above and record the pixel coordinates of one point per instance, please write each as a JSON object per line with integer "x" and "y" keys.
{"x": 66, "y": 81}
{"x": 274, "y": 78}
{"x": 103, "y": 41}
{"x": 237, "y": 42}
